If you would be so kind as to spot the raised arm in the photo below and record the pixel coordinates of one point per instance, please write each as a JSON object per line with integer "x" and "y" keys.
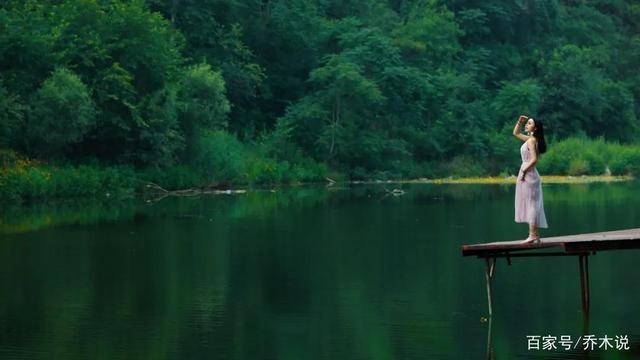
{"x": 516, "y": 130}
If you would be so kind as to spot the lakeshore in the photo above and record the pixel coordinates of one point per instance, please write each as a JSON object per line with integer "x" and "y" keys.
{"x": 549, "y": 179}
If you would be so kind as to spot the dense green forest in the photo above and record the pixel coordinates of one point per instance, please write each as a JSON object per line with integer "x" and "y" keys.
{"x": 219, "y": 92}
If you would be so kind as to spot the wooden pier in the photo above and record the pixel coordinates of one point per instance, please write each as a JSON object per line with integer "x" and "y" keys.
{"x": 581, "y": 245}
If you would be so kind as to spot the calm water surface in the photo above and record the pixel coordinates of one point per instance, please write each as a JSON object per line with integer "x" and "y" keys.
{"x": 308, "y": 273}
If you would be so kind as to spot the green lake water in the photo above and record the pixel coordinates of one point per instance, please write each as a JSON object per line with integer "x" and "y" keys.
{"x": 309, "y": 273}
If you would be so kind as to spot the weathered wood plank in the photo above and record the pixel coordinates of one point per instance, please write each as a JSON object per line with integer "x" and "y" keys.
{"x": 609, "y": 240}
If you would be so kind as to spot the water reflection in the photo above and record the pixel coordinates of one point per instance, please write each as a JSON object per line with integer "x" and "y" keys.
{"x": 309, "y": 273}
{"x": 491, "y": 354}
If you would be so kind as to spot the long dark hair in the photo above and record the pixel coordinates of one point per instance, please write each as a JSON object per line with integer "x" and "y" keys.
{"x": 538, "y": 133}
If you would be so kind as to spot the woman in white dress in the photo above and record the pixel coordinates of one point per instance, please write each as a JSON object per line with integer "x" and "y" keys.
{"x": 529, "y": 204}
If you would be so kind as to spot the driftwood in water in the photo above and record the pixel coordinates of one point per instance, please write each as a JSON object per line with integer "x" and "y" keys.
{"x": 162, "y": 192}
{"x": 394, "y": 192}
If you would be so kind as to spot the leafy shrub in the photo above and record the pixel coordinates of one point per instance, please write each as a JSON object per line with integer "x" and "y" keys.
{"x": 626, "y": 162}
{"x": 172, "y": 178}
{"x": 465, "y": 166}
{"x": 578, "y": 166}
{"x": 576, "y": 156}
{"x": 219, "y": 157}
{"x": 558, "y": 157}
{"x": 264, "y": 171}
{"x": 309, "y": 171}
{"x": 29, "y": 180}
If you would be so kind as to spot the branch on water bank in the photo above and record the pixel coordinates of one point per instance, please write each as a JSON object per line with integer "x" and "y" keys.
{"x": 155, "y": 186}
{"x": 394, "y": 192}
{"x": 163, "y": 193}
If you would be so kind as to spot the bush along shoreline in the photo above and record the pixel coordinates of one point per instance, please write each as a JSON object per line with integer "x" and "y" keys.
{"x": 27, "y": 180}
{"x": 222, "y": 162}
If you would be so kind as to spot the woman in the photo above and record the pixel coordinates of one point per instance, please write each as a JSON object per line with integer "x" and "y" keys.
{"x": 529, "y": 204}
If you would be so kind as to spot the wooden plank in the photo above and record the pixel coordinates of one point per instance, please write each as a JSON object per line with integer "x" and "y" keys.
{"x": 609, "y": 240}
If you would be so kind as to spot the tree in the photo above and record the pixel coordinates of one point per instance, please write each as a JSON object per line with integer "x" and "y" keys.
{"x": 429, "y": 36}
{"x": 12, "y": 114}
{"x": 62, "y": 114}
{"x": 214, "y": 34}
{"x": 201, "y": 102}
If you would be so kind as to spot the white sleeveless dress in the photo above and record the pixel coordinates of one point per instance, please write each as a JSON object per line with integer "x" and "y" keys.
{"x": 529, "y": 203}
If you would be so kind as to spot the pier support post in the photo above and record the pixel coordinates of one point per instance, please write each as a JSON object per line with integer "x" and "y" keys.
{"x": 583, "y": 261}
{"x": 490, "y": 265}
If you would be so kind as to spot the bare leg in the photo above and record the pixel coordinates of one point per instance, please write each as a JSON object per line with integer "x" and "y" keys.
{"x": 534, "y": 237}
